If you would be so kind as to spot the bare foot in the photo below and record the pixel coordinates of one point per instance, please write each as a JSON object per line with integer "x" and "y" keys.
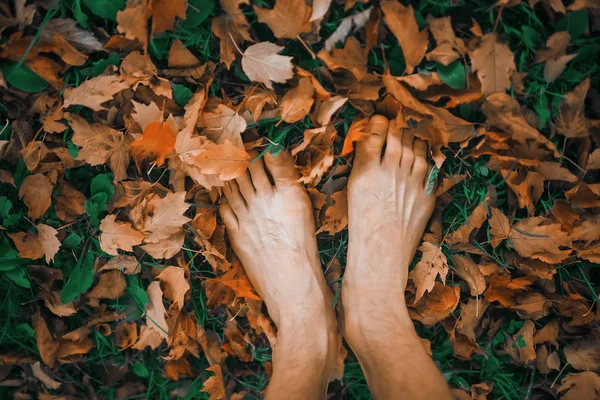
{"x": 388, "y": 211}
{"x": 271, "y": 229}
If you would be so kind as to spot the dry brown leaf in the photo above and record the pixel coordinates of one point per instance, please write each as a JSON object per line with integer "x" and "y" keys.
{"x": 351, "y": 57}
{"x": 111, "y": 285}
{"x": 297, "y": 102}
{"x": 288, "y": 19}
{"x": 223, "y": 160}
{"x": 46, "y": 344}
{"x": 401, "y": 21}
{"x": 97, "y": 142}
{"x": 436, "y": 305}
{"x": 578, "y": 386}
{"x": 176, "y": 285}
{"x": 433, "y": 263}
{"x": 232, "y": 29}
{"x": 223, "y": 124}
{"x": 584, "y": 354}
{"x": 469, "y": 271}
{"x": 118, "y": 235}
{"x": 214, "y": 385}
{"x": 494, "y": 63}
{"x": 70, "y": 202}
{"x": 448, "y": 47}
{"x": 164, "y": 13}
{"x": 571, "y": 120}
{"x": 43, "y": 377}
{"x": 93, "y": 92}
{"x": 133, "y": 22}
{"x": 522, "y": 354}
{"x": 156, "y": 329}
{"x": 356, "y": 133}
{"x": 36, "y": 191}
{"x": 160, "y": 218}
{"x": 336, "y": 215}
{"x": 34, "y": 246}
{"x": 349, "y": 24}
{"x": 261, "y": 63}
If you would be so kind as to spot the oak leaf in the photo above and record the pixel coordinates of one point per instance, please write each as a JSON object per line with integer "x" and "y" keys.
{"x": 118, "y": 235}
{"x": 288, "y": 19}
{"x": 401, "y": 21}
{"x": 35, "y": 191}
{"x": 93, "y": 92}
{"x": 297, "y": 102}
{"x": 262, "y": 64}
{"x": 433, "y": 263}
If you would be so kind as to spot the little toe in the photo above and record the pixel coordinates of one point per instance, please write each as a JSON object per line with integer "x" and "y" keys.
{"x": 234, "y": 197}
{"x": 408, "y": 153}
{"x": 420, "y": 165}
{"x": 228, "y": 215}
{"x": 393, "y": 146}
{"x": 282, "y": 169}
{"x": 246, "y": 187}
{"x": 259, "y": 176}
{"x": 369, "y": 150}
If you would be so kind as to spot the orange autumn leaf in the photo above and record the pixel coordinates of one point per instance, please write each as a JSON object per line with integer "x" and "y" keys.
{"x": 214, "y": 385}
{"x": 175, "y": 284}
{"x": 34, "y": 246}
{"x": 35, "y": 191}
{"x": 156, "y": 143}
{"x": 288, "y": 19}
{"x": 433, "y": 263}
{"x": 494, "y": 63}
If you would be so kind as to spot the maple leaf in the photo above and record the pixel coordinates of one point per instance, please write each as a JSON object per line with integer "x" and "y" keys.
{"x": 214, "y": 385}
{"x": 401, "y": 21}
{"x": 449, "y": 48}
{"x": 231, "y": 29}
{"x": 577, "y": 386}
{"x": 156, "y": 329}
{"x": 97, "y": 142}
{"x": 433, "y": 263}
{"x": 164, "y": 13}
{"x": 165, "y": 248}
{"x": 261, "y": 63}
{"x": 494, "y": 64}
{"x": 35, "y": 191}
{"x": 223, "y": 124}
{"x": 176, "y": 285}
{"x": 133, "y": 192}
{"x": 118, "y": 235}
{"x": 224, "y": 160}
{"x": 93, "y": 92}
{"x": 297, "y": 102}
{"x": 160, "y": 218}
{"x": 138, "y": 69}
{"x": 34, "y": 246}
{"x": 288, "y": 19}
{"x": 351, "y": 57}
{"x": 436, "y": 305}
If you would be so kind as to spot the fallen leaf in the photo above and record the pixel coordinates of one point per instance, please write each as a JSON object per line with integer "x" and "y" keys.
{"x": 164, "y": 13}
{"x": 176, "y": 285}
{"x": 214, "y": 385}
{"x": 494, "y": 64}
{"x": 111, "y": 285}
{"x": 576, "y": 386}
{"x": 93, "y": 92}
{"x": 125, "y": 264}
{"x": 261, "y": 63}
{"x": 232, "y": 29}
{"x": 401, "y": 21}
{"x": 43, "y": 377}
{"x": 469, "y": 271}
{"x": 224, "y": 160}
{"x": 223, "y": 124}
{"x": 356, "y": 133}
{"x": 436, "y": 305}
{"x": 297, "y": 102}
{"x": 348, "y": 25}
{"x": 571, "y": 120}
{"x": 336, "y": 215}
{"x": 288, "y": 19}
{"x": 118, "y": 235}
{"x": 156, "y": 329}
{"x": 351, "y": 57}
{"x": 36, "y": 191}
{"x": 584, "y": 354}
{"x": 433, "y": 263}
{"x": 159, "y": 218}
{"x": 97, "y": 142}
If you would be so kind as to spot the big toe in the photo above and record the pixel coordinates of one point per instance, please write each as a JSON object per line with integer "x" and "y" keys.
{"x": 369, "y": 150}
{"x": 281, "y": 167}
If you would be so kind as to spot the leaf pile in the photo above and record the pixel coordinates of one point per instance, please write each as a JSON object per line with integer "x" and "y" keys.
{"x": 124, "y": 120}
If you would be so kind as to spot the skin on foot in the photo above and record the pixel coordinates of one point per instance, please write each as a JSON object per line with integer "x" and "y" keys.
{"x": 388, "y": 211}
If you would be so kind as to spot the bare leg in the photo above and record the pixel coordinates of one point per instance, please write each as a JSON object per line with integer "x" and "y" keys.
{"x": 271, "y": 229}
{"x": 388, "y": 212}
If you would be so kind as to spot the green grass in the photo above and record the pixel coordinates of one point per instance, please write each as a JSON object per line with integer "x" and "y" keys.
{"x": 525, "y": 30}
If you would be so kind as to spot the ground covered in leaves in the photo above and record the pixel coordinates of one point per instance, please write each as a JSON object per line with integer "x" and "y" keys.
{"x": 121, "y": 121}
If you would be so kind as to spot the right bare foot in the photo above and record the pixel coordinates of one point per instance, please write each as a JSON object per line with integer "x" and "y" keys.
{"x": 388, "y": 211}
